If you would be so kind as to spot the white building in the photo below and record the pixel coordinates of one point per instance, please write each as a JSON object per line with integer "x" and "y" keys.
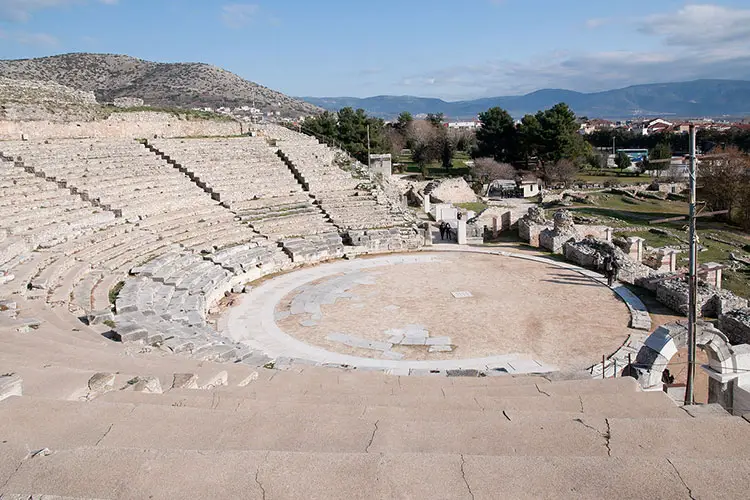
{"x": 529, "y": 187}
{"x": 465, "y": 125}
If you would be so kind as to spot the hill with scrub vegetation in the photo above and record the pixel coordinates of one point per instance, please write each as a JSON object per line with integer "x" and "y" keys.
{"x": 164, "y": 85}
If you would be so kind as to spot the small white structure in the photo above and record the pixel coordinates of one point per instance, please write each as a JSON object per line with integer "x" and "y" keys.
{"x": 382, "y": 164}
{"x": 461, "y": 234}
{"x": 529, "y": 188}
{"x": 445, "y": 212}
{"x": 711, "y": 273}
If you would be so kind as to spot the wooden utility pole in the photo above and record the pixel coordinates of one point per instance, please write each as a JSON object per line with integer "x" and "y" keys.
{"x": 369, "y": 160}
{"x": 692, "y": 278}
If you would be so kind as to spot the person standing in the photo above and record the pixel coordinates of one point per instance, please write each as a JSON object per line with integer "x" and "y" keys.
{"x": 442, "y": 230}
{"x": 615, "y": 270}
{"x": 608, "y": 269}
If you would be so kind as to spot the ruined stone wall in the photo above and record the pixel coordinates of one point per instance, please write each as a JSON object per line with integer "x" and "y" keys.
{"x": 598, "y": 232}
{"x": 453, "y": 191}
{"x": 736, "y": 326}
{"x": 588, "y": 251}
{"x": 712, "y": 302}
{"x": 120, "y": 125}
{"x": 384, "y": 240}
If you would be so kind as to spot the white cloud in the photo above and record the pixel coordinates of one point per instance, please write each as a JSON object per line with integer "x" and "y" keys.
{"x": 238, "y": 15}
{"x": 27, "y": 38}
{"x": 597, "y": 22}
{"x": 699, "y": 25}
{"x": 22, "y": 10}
{"x": 697, "y": 41}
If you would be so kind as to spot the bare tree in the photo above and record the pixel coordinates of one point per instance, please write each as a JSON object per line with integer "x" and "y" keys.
{"x": 744, "y": 212}
{"x": 723, "y": 179}
{"x": 425, "y": 144}
{"x": 487, "y": 170}
{"x": 396, "y": 141}
{"x": 561, "y": 172}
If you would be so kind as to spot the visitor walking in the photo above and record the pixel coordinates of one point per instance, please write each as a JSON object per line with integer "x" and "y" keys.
{"x": 442, "y": 231}
{"x": 609, "y": 269}
{"x": 615, "y": 271}
{"x": 448, "y": 231}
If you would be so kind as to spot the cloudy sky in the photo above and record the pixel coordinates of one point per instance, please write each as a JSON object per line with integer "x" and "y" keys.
{"x": 432, "y": 48}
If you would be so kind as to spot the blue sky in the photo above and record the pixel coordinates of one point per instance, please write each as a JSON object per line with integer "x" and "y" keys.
{"x": 433, "y": 48}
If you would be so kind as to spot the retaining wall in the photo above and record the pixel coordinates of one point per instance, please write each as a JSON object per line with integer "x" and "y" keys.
{"x": 120, "y": 125}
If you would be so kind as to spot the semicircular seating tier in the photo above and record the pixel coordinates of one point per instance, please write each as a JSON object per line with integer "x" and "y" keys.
{"x": 79, "y": 214}
{"x": 88, "y": 210}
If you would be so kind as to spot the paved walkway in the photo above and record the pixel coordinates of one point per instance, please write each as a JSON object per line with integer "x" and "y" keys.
{"x": 254, "y": 320}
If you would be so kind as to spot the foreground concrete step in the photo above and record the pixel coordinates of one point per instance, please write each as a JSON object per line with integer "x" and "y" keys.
{"x": 719, "y": 438}
{"x": 337, "y": 383}
{"x": 635, "y": 403}
{"x": 150, "y": 426}
{"x": 146, "y": 473}
{"x": 644, "y": 404}
{"x": 326, "y": 377}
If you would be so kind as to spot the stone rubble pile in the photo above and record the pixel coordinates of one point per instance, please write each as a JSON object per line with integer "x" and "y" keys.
{"x": 562, "y": 231}
{"x": 531, "y": 225}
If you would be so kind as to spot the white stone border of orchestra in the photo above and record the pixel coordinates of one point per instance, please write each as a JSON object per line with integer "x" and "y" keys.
{"x": 255, "y": 315}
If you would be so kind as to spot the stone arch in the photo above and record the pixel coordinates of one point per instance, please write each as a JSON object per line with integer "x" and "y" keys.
{"x": 667, "y": 340}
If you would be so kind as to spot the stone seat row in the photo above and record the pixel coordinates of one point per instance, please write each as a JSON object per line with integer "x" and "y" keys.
{"x": 168, "y": 299}
{"x": 314, "y": 248}
{"x": 293, "y": 225}
{"x": 138, "y": 200}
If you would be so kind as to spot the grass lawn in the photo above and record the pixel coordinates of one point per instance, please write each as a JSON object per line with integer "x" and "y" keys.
{"x": 435, "y": 169}
{"x": 477, "y": 206}
{"x": 623, "y": 179}
{"x": 622, "y": 211}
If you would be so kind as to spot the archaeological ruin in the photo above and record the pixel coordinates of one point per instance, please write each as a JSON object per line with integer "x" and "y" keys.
{"x": 244, "y": 309}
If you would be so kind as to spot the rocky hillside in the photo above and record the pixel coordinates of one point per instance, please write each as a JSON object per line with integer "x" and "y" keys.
{"x": 34, "y": 100}
{"x": 185, "y": 85}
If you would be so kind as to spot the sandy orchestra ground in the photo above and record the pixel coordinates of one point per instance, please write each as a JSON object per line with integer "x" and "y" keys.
{"x": 517, "y": 306}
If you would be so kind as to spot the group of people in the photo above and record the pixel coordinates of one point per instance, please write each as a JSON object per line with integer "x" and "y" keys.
{"x": 446, "y": 232}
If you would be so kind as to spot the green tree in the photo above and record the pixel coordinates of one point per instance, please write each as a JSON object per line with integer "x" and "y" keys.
{"x": 622, "y": 161}
{"x": 595, "y": 160}
{"x": 659, "y": 156}
{"x": 323, "y": 126}
{"x": 557, "y": 136}
{"x": 404, "y": 120}
{"x": 448, "y": 147}
{"x": 497, "y": 137}
{"x": 347, "y": 129}
{"x": 436, "y": 119}
{"x": 529, "y": 138}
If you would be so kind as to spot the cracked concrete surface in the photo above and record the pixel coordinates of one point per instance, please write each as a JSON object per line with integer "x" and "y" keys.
{"x": 679, "y": 475}
{"x": 463, "y": 476}
{"x": 372, "y": 438}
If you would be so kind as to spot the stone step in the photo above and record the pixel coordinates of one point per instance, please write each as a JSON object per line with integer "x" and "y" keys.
{"x": 314, "y": 381}
{"x": 163, "y": 427}
{"x": 649, "y": 405}
{"x": 123, "y": 473}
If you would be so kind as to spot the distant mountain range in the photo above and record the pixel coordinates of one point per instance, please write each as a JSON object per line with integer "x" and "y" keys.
{"x": 697, "y": 98}
{"x": 182, "y": 85}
